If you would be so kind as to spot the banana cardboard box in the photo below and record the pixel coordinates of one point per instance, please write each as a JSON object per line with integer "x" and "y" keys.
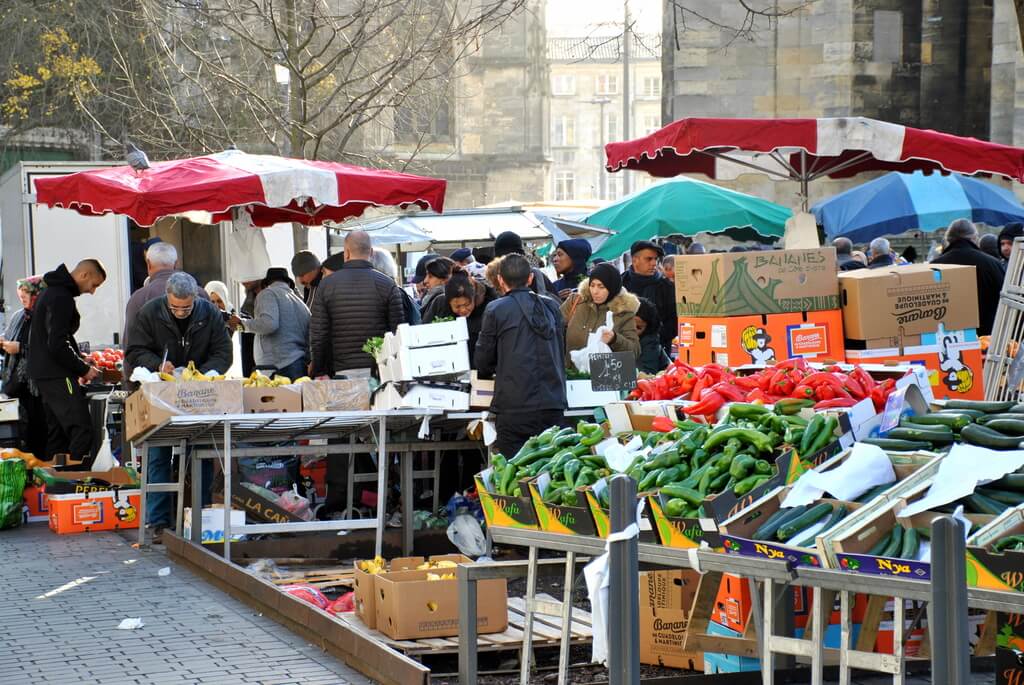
{"x": 772, "y": 282}
{"x": 154, "y": 403}
{"x": 762, "y": 339}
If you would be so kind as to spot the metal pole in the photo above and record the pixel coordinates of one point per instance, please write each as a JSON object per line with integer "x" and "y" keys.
{"x": 382, "y": 483}
{"x": 467, "y": 626}
{"x": 948, "y": 610}
{"x": 623, "y": 591}
{"x": 626, "y": 99}
{"x": 228, "y": 471}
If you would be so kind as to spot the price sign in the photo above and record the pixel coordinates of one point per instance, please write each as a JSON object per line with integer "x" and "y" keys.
{"x": 612, "y": 371}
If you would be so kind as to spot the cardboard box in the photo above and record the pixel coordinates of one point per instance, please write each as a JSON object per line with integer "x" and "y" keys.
{"x": 481, "y": 392}
{"x": 93, "y": 511}
{"x": 715, "y": 662}
{"x": 430, "y": 334}
{"x": 665, "y": 601}
{"x": 772, "y": 282}
{"x": 624, "y": 417}
{"x": 600, "y": 513}
{"x": 733, "y": 604}
{"x": 426, "y": 362}
{"x": 283, "y": 399}
{"x": 762, "y": 339}
{"x": 993, "y": 570}
{"x": 904, "y": 300}
{"x": 952, "y": 358}
{"x": 365, "y": 590}
{"x": 64, "y": 482}
{"x": 505, "y": 510}
{"x": 336, "y": 395}
{"x": 212, "y": 521}
{"x": 35, "y": 500}
{"x": 580, "y": 395}
{"x": 679, "y": 532}
{"x": 154, "y": 403}
{"x": 574, "y": 519}
{"x": 1010, "y": 661}
{"x": 410, "y": 607}
{"x": 417, "y": 395}
{"x": 256, "y": 505}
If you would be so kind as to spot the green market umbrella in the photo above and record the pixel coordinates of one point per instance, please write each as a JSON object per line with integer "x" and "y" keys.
{"x": 684, "y": 206}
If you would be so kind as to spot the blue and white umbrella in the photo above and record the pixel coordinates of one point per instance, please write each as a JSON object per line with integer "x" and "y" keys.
{"x": 895, "y": 203}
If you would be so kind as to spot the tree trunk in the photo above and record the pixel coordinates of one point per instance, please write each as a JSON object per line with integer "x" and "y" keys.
{"x": 1018, "y": 5}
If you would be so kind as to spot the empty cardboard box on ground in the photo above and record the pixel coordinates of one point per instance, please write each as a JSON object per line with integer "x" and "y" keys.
{"x": 154, "y": 403}
{"x": 907, "y": 300}
{"x": 772, "y": 282}
{"x": 665, "y": 601}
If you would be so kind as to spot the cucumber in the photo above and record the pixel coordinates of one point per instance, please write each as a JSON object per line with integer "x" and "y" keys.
{"x": 768, "y": 528}
{"x": 911, "y": 545}
{"x": 986, "y": 437}
{"x": 911, "y": 422}
{"x": 987, "y": 408}
{"x": 1017, "y": 408}
{"x": 1009, "y": 542}
{"x": 893, "y": 445}
{"x": 935, "y": 437}
{"x": 688, "y": 495}
{"x": 879, "y": 547}
{"x": 794, "y": 525}
{"x": 1011, "y": 481}
{"x": 873, "y": 492}
{"x": 984, "y": 505}
{"x": 924, "y": 532}
{"x": 1007, "y": 426}
{"x": 837, "y": 515}
{"x": 951, "y": 420}
{"x": 895, "y": 543}
{"x": 1004, "y": 496}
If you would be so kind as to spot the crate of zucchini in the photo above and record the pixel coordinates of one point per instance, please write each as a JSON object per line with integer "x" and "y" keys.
{"x": 689, "y": 473}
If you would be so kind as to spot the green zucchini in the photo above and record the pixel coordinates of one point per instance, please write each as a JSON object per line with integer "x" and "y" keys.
{"x": 794, "y": 525}
{"x": 986, "y": 437}
{"x": 936, "y": 437}
{"x": 924, "y": 532}
{"x": 892, "y": 445}
{"x": 1017, "y": 408}
{"x": 984, "y": 505}
{"x": 873, "y": 492}
{"x": 1011, "y": 481}
{"x": 881, "y": 545}
{"x": 1005, "y": 415}
{"x": 951, "y": 420}
{"x": 768, "y": 528}
{"x": 1008, "y": 542}
{"x": 980, "y": 405}
{"x": 973, "y": 413}
{"x": 911, "y": 545}
{"x": 1004, "y": 496}
{"x": 1007, "y": 426}
{"x": 895, "y": 543}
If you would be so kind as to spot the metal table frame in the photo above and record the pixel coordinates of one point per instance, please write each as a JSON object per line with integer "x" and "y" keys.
{"x": 776, "y": 575}
{"x": 204, "y": 433}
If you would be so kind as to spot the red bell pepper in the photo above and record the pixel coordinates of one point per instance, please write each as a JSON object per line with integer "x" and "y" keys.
{"x": 835, "y": 403}
{"x": 803, "y": 392}
{"x": 794, "y": 363}
{"x": 756, "y": 395}
{"x": 852, "y": 386}
{"x": 746, "y": 382}
{"x": 864, "y": 378}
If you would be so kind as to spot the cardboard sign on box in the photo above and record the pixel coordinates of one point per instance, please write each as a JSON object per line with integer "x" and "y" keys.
{"x": 762, "y": 339}
{"x": 410, "y": 607}
{"x": 282, "y": 399}
{"x": 745, "y": 283}
{"x": 154, "y": 403}
{"x": 903, "y": 300}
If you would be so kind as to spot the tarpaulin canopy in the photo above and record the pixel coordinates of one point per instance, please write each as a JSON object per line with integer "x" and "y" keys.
{"x": 806, "y": 149}
{"x": 895, "y": 203}
{"x": 262, "y": 189}
{"x": 684, "y": 206}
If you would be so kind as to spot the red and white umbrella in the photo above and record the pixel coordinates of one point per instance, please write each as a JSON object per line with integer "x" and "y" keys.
{"x": 803, "y": 150}
{"x": 261, "y": 189}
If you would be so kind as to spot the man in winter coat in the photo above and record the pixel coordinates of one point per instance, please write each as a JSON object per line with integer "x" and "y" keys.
{"x": 962, "y": 248}
{"x": 522, "y": 347}
{"x": 1009, "y": 233}
{"x": 169, "y": 332}
{"x": 880, "y": 253}
{"x": 644, "y": 280}
{"x": 308, "y": 273}
{"x": 352, "y": 305}
{"x": 55, "y": 363}
{"x": 281, "y": 324}
{"x": 844, "y": 255}
{"x": 570, "y": 262}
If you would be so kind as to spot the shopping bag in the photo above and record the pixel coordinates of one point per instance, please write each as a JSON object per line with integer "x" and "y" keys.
{"x": 581, "y": 358}
{"x": 12, "y": 488}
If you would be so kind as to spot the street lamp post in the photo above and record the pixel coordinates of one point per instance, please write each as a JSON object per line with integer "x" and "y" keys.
{"x": 601, "y": 175}
{"x": 284, "y": 79}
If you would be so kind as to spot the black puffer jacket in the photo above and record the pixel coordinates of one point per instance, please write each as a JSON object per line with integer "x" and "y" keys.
{"x": 662, "y": 292}
{"x": 989, "y": 272}
{"x": 154, "y": 331}
{"x": 352, "y": 305}
{"x": 522, "y": 345}
{"x": 52, "y": 348}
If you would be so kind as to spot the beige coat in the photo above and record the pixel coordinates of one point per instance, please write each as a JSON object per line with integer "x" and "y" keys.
{"x": 583, "y": 317}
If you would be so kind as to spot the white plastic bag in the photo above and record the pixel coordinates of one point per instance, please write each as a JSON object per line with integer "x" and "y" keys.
{"x": 465, "y": 533}
{"x": 104, "y": 458}
{"x": 581, "y": 358}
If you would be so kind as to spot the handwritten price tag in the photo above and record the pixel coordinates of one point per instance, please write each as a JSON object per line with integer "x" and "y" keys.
{"x": 612, "y": 371}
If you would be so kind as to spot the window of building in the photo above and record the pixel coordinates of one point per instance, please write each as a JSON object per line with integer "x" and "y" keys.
{"x": 611, "y": 127}
{"x": 430, "y": 119}
{"x": 607, "y": 84}
{"x": 565, "y": 185}
{"x": 651, "y": 87}
{"x": 612, "y": 186}
{"x": 651, "y": 123}
{"x": 565, "y": 132}
{"x": 888, "y": 38}
{"x": 563, "y": 84}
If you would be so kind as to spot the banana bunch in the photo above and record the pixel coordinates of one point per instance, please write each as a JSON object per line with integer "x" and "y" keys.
{"x": 441, "y": 576}
{"x": 190, "y": 373}
{"x": 436, "y": 564}
{"x": 374, "y": 566}
{"x": 304, "y": 379}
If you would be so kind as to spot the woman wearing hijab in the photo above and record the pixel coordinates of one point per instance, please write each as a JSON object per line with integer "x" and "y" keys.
{"x": 32, "y": 415}
{"x": 652, "y": 357}
{"x": 464, "y": 296}
{"x": 587, "y": 310}
{"x": 570, "y": 262}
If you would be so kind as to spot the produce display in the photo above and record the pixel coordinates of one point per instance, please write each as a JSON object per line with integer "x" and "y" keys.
{"x": 258, "y": 380}
{"x": 993, "y": 425}
{"x": 108, "y": 358}
{"x": 712, "y": 386}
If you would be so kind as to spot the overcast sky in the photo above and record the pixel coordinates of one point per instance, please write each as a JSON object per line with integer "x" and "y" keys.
{"x": 573, "y": 18}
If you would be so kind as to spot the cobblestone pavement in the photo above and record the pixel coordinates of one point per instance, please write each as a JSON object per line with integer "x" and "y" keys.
{"x": 63, "y": 597}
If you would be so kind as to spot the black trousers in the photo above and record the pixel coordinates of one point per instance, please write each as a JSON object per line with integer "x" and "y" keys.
{"x": 514, "y": 429}
{"x": 69, "y": 425}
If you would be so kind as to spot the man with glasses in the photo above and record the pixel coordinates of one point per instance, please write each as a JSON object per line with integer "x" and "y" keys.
{"x": 168, "y": 333}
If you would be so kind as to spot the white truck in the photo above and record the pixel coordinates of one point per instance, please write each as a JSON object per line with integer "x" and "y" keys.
{"x": 35, "y": 239}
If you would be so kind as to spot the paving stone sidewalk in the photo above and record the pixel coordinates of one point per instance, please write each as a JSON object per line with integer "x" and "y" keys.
{"x": 63, "y": 597}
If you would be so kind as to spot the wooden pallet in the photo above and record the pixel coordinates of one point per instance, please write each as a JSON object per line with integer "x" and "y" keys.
{"x": 322, "y": 578}
{"x": 547, "y": 632}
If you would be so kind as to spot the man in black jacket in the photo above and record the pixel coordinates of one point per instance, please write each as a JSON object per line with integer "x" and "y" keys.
{"x": 168, "y": 333}
{"x": 351, "y": 306}
{"x": 962, "y": 248}
{"x": 644, "y": 280}
{"x": 522, "y": 345}
{"x": 55, "y": 363}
